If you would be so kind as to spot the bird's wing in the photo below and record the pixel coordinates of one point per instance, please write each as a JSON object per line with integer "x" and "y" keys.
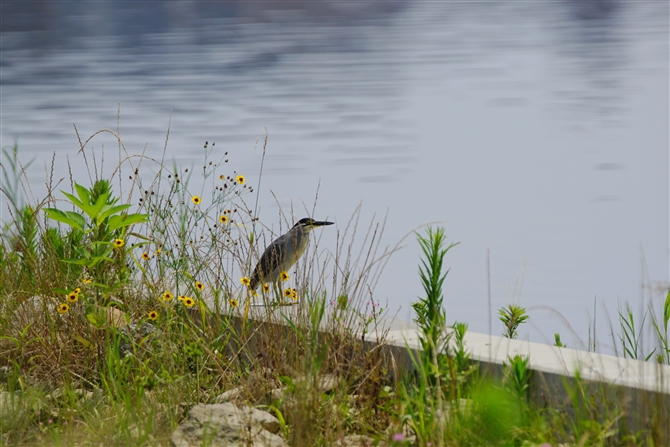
{"x": 270, "y": 260}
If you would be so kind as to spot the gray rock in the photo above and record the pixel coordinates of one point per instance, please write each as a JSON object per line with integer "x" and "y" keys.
{"x": 355, "y": 441}
{"x": 84, "y": 394}
{"x": 277, "y": 394}
{"x": 227, "y": 425}
{"x": 325, "y": 383}
{"x": 228, "y": 396}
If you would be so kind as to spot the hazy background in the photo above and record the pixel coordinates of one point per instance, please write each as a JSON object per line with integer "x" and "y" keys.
{"x": 536, "y": 129}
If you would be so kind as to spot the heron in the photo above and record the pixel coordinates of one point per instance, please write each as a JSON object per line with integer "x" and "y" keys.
{"x": 284, "y": 252}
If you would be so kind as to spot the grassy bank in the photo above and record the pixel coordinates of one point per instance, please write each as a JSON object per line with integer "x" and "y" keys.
{"x": 122, "y": 307}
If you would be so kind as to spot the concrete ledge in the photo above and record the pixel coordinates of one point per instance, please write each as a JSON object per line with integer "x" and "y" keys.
{"x": 495, "y": 350}
{"x": 634, "y": 393}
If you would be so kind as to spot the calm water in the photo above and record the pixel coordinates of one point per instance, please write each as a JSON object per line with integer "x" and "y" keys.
{"x": 537, "y": 130}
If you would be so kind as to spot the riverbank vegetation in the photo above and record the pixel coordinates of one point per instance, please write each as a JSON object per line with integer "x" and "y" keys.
{"x": 123, "y": 307}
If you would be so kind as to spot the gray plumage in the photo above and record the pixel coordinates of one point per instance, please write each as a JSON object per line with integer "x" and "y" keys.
{"x": 283, "y": 252}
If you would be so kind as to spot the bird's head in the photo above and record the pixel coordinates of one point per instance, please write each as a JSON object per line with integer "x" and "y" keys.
{"x": 308, "y": 224}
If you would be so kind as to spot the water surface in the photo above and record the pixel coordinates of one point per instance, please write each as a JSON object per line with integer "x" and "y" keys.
{"x": 536, "y": 131}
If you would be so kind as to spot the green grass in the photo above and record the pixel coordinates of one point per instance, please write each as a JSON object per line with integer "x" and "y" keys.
{"x": 122, "y": 365}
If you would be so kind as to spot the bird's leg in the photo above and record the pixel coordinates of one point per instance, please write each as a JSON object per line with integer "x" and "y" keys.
{"x": 276, "y": 286}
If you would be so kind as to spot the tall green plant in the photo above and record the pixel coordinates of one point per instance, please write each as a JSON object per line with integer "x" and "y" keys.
{"x": 518, "y": 376}
{"x": 26, "y": 239}
{"x": 461, "y": 355}
{"x": 430, "y": 314}
{"x": 101, "y": 223}
{"x": 105, "y": 216}
{"x": 512, "y": 317}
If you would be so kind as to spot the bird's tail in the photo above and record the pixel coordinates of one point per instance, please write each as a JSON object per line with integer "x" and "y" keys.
{"x": 254, "y": 281}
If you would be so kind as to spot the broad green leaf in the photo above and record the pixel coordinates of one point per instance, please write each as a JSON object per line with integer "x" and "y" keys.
{"x": 77, "y": 218}
{"x": 74, "y": 200}
{"x": 108, "y": 210}
{"x": 70, "y": 218}
{"x": 96, "y": 319}
{"x": 116, "y": 221}
{"x": 84, "y": 194}
{"x": 97, "y": 259}
{"x": 83, "y": 252}
{"x": 97, "y": 207}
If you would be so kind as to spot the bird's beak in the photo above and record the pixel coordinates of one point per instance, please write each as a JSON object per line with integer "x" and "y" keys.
{"x": 321, "y": 223}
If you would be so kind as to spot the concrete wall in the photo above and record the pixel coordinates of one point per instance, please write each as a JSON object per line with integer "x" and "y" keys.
{"x": 642, "y": 389}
